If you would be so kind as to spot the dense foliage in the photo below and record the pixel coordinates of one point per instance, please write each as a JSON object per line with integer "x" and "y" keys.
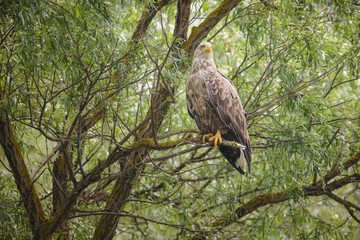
{"x": 94, "y": 94}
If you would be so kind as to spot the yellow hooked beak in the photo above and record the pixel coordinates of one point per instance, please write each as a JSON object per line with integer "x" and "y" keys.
{"x": 207, "y": 49}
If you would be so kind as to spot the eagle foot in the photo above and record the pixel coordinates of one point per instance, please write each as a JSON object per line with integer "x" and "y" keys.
{"x": 206, "y": 136}
{"x": 216, "y": 139}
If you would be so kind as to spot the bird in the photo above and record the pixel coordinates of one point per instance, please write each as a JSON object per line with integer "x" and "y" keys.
{"x": 213, "y": 102}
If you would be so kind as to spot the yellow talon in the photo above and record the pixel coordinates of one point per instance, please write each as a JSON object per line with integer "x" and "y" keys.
{"x": 216, "y": 139}
{"x": 205, "y": 136}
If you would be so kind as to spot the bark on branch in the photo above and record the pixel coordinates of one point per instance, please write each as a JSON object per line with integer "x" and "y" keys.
{"x": 20, "y": 172}
{"x": 146, "y": 17}
{"x": 200, "y": 32}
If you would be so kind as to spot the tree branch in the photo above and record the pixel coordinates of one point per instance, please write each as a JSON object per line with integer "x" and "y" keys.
{"x": 20, "y": 172}
{"x": 147, "y": 16}
{"x": 182, "y": 19}
{"x": 336, "y": 171}
{"x": 200, "y": 32}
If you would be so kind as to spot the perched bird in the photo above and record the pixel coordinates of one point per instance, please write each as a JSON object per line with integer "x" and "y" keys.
{"x": 214, "y": 104}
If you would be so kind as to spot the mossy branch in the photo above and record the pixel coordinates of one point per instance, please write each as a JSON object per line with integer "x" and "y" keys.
{"x": 21, "y": 174}
{"x": 149, "y": 143}
{"x": 200, "y": 32}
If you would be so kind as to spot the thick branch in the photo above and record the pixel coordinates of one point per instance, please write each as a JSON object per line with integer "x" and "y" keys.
{"x": 200, "y": 32}
{"x": 20, "y": 172}
{"x": 60, "y": 189}
{"x": 182, "y": 19}
{"x": 147, "y": 15}
{"x": 149, "y": 143}
{"x": 337, "y": 170}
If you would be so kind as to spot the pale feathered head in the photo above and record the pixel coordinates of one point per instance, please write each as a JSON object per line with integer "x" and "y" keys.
{"x": 203, "y": 54}
{"x": 204, "y": 51}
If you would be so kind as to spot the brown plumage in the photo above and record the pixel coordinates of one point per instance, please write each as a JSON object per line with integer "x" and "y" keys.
{"x": 213, "y": 102}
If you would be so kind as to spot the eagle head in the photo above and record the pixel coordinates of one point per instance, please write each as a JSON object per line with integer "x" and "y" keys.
{"x": 203, "y": 51}
{"x": 203, "y": 54}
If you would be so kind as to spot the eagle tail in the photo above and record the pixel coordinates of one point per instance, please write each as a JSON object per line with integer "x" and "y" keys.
{"x": 237, "y": 157}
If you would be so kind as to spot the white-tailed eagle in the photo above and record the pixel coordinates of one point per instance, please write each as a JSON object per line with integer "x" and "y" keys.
{"x": 214, "y": 103}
